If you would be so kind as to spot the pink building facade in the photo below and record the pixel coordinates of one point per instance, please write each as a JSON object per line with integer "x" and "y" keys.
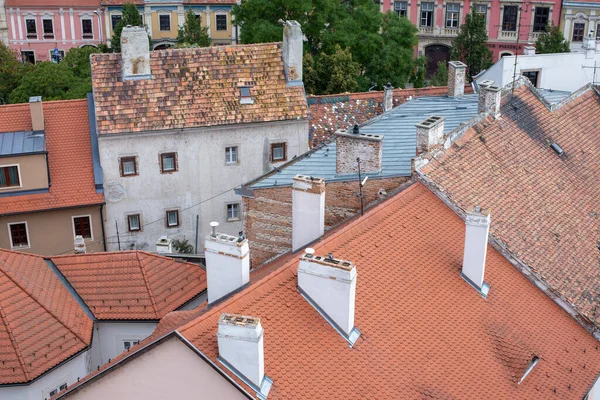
{"x": 42, "y": 31}
{"x": 439, "y": 21}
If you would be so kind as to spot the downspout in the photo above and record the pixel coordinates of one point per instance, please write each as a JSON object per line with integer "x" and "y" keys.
{"x": 102, "y": 225}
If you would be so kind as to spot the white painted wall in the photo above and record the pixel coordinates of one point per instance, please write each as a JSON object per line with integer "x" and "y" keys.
{"x": 227, "y": 265}
{"x": 107, "y": 341}
{"x": 308, "y": 213}
{"x": 39, "y": 389}
{"x": 561, "y": 71}
{"x": 202, "y": 173}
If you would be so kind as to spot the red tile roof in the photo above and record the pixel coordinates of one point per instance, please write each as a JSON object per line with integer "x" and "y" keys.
{"x": 69, "y": 149}
{"x": 196, "y": 87}
{"x": 131, "y": 285}
{"x": 546, "y": 207}
{"x": 425, "y": 332}
{"x": 41, "y": 324}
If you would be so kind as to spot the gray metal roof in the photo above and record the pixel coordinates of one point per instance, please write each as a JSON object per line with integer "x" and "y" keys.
{"x": 399, "y": 141}
{"x": 14, "y": 143}
{"x": 554, "y": 96}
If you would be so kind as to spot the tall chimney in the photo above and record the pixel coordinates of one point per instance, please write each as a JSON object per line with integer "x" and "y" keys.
{"x": 308, "y": 210}
{"x": 329, "y": 285}
{"x": 227, "y": 264}
{"x": 529, "y": 50}
{"x": 135, "y": 53}
{"x": 292, "y": 52}
{"x": 489, "y": 98}
{"x": 241, "y": 349}
{"x": 388, "y": 97}
{"x": 352, "y": 145}
{"x": 589, "y": 45}
{"x": 37, "y": 113}
{"x": 430, "y": 133}
{"x": 456, "y": 78}
{"x": 476, "y": 240}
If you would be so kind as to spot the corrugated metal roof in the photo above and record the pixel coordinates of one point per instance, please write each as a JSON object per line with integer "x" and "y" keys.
{"x": 554, "y": 96}
{"x": 14, "y": 143}
{"x": 399, "y": 142}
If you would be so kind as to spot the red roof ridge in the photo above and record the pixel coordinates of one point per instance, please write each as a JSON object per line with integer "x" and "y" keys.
{"x": 150, "y": 294}
{"x": 14, "y": 343}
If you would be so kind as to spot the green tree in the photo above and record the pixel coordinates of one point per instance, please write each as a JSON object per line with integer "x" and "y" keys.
{"x": 337, "y": 72}
{"x": 310, "y": 75}
{"x": 11, "y": 71}
{"x": 440, "y": 78}
{"x": 78, "y": 60}
{"x": 192, "y": 33}
{"x": 131, "y": 16}
{"x": 470, "y": 46}
{"x": 418, "y": 76}
{"x": 552, "y": 41}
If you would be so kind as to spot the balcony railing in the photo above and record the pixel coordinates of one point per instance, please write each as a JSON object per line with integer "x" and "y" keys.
{"x": 534, "y": 36}
{"x": 437, "y": 31}
{"x": 508, "y": 35}
{"x": 426, "y": 30}
{"x": 450, "y": 31}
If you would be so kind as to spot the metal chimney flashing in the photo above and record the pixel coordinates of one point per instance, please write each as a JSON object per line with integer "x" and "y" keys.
{"x": 483, "y": 290}
{"x": 262, "y": 392}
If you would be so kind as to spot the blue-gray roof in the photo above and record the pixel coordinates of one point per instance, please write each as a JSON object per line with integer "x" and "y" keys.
{"x": 399, "y": 141}
{"x": 554, "y": 96}
{"x": 15, "y": 143}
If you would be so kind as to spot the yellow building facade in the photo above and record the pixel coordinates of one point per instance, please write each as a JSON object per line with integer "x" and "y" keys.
{"x": 580, "y": 19}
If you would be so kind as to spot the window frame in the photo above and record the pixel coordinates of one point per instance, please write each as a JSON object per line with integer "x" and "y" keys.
{"x": 510, "y": 26}
{"x": 429, "y": 17}
{"x": 10, "y": 236}
{"x": 452, "y": 16}
{"x": 536, "y": 24}
{"x": 33, "y": 34}
{"x": 49, "y": 35}
{"x": 139, "y": 220}
{"x": 162, "y": 163}
{"x": 399, "y": 10}
{"x": 28, "y": 51}
{"x": 57, "y": 389}
{"x": 61, "y": 55}
{"x": 537, "y": 73}
{"x": 132, "y": 342}
{"x": 239, "y": 212}
{"x": 87, "y": 35}
{"x": 217, "y": 22}
{"x": 273, "y": 146}
{"x": 20, "y": 183}
{"x": 176, "y": 211}
{"x": 125, "y": 159}
{"x": 575, "y": 26}
{"x": 89, "y": 217}
{"x": 477, "y": 8}
{"x": 112, "y": 22}
{"x": 160, "y": 27}
{"x": 237, "y": 158}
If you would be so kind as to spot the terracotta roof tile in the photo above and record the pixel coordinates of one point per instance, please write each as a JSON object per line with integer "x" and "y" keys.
{"x": 546, "y": 207}
{"x": 41, "y": 324}
{"x": 69, "y": 149}
{"x": 196, "y": 87}
{"x": 425, "y": 332}
{"x": 131, "y": 285}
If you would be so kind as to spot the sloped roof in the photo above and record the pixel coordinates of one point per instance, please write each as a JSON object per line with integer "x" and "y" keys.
{"x": 196, "y": 87}
{"x": 68, "y": 142}
{"x": 546, "y": 207}
{"x": 425, "y": 332}
{"x": 131, "y": 285}
{"x": 41, "y": 324}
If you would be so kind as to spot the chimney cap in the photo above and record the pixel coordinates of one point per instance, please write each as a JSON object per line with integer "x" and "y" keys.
{"x": 309, "y": 252}
{"x": 35, "y": 99}
{"x": 457, "y": 64}
{"x": 355, "y": 129}
{"x": 238, "y": 320}
{"x": 388, "y": 85}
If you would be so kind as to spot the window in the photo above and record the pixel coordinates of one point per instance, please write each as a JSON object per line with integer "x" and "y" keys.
{"x": 127, "y": 344}
{"x": 509, "y": 19}
{"x": 532, "y": 76}
{"x": 598, "y": 32}
{"x": 233, "y": 212}
{"x": 578, "y": 29}
{"x": 114, "y": 20}
{"x": 540, "y": 19}
{"x": 168, "y": 162}
{"x": 231, "y": 155}
{"x": 83, "y": 226}
{"x": 481, "y": 9}
{"x": 28, "y": 56}
{"x": 57, "y": 389}
{"x": 172, "y": 218}
{"x": 452, "y": 12}
{"x": 245, "y": 95}
{"x": 133, "y": 221}
{"x": 48, "y": 29}
{"x": 278, "y": 152}
{"x": 128, "y": 166}
{"x": 165, "y": 22}
{"x": 426, "y": 14}
{"x": 221, "y": 22}
{"x": 58, "y": 56}
{"x": 9, "y": 176}
{"x": 400, "y": 7}
{"x": 86, "y": 28}
{"x": 18, "y": 234}
{"x": 31, "y": 29}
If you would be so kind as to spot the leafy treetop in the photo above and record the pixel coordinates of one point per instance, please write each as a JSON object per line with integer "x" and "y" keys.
{"x": 192, "y": 33}
{"x": 552, "y": 41}
{"x": 470, "y": 46}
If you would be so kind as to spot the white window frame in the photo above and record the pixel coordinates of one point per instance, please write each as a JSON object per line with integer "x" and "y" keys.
{"x": 91, "y": 226}
{"x": 428, "y": 3}
{"x": 237, "y": 155}
{"x": 398, "y": 7}
{"x": 162, "y": 14}
{"x": 457, "y": 16}
{"x": 51, "y": 53}
{"x": 139, "y": 215}
{"x": 131, "y": 341}
{"x": 12, "y": 247}
{"x": 226, "y": 22}
{"x": 46, "y": 17}
{"x": 239, "y": 211}
{"x": 29, "y": 51}
{"x": 18, "y": 171}
{"x": 167, "y": 211}
{"x": 83, "y": 17}
{"x": 57, "y": 388}
{"x": 37, "y": 33}
{"x": 115, "y": 13}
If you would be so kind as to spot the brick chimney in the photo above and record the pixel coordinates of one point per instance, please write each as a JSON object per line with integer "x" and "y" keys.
{"x": 329, "y": 285}
{"x": 388, "y": 97}
{"x": 308, "y": 210}
{"x": 476, "y": 240}
{"x": 37, "y": 113}
{"x": 489, "y": 98}
{"x": 589, "y": 45}
{"x": 135, "y": 53}
{"x": 227, "y": 263}
{"x": 352, "y": 145}
{"x": 456, "y": 78}
{"x": 292, "y": 52}
{"x": 241, "y": 349}
{"x": 529, "y": 50}
{"x": 430, "y": 133}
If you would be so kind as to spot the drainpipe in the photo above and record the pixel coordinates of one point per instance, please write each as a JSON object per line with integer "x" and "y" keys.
{"x": 102, "y": 225}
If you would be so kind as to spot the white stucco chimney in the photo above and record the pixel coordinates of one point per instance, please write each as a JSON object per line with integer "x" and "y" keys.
{"x": 292, "y": 52}
{"x": 529, "y": 50}
{"x": 490, "y": 97}
{"x": 476, "y": 240}
{"x": 241, "y": 349}
{"x": 329, "y": 285}
{"x": 388, "y": 97}
{"x": 227, "y": 263}
{"x": 308, "y": 210}
{"x": 456, "y": 78}
{"x": 37, "y": 113}
{"x": 135, "y": 53}
{"x": 430, "y": 132}
{"x": 589, "y": 45}
{"x": 79, "y": 244}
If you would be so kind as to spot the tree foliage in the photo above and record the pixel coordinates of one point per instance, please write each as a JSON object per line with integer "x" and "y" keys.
{"x": 337, "y": 72}
{"x": 78, "y": 60}
{"x": 552, "y": 41}
{"x": 192, "y": 33}
{"x": 11, "y": 72}
{"x": 470, "y": 46}
{"x": 130, "y": 16}
{"x": 440, "y": 78}
{"x": 417, "y": 77}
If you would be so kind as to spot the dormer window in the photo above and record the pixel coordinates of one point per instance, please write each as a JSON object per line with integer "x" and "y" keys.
{"x": 245, "y": 95}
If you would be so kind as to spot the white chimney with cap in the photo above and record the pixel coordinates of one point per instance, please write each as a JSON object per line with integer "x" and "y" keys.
{"x": 388, "y": 97}
{"x": 476, "y": 241}
{"x": 293, "y": 49}
{"x": 227, "y": 263}
{"x": 430, "y": 133}
{"x": 308, "y": 210}
{"x": 329, "y": 284}
{"x": 135, "y": 53}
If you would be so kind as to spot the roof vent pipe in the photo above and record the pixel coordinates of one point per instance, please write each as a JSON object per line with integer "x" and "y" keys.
{"x": 388, "y": 97}
{"x": 356, "y": 130}
{"x": 213, "y": 227}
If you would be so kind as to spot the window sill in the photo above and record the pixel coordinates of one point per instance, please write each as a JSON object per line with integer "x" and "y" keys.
{"x": 129, "y": 176}
{"x": 168, "y": 172}
{"x": 20, "y": 247}
{"x": 231, "y": 163}
{"x": 278, "y": 161}
{"x": 172, "y": 226}
{"x": 233, "y": 219}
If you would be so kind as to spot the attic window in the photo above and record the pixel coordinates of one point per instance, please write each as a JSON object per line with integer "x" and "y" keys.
{"x": 245, "y": 95}
{"x": 532, "y": 364}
